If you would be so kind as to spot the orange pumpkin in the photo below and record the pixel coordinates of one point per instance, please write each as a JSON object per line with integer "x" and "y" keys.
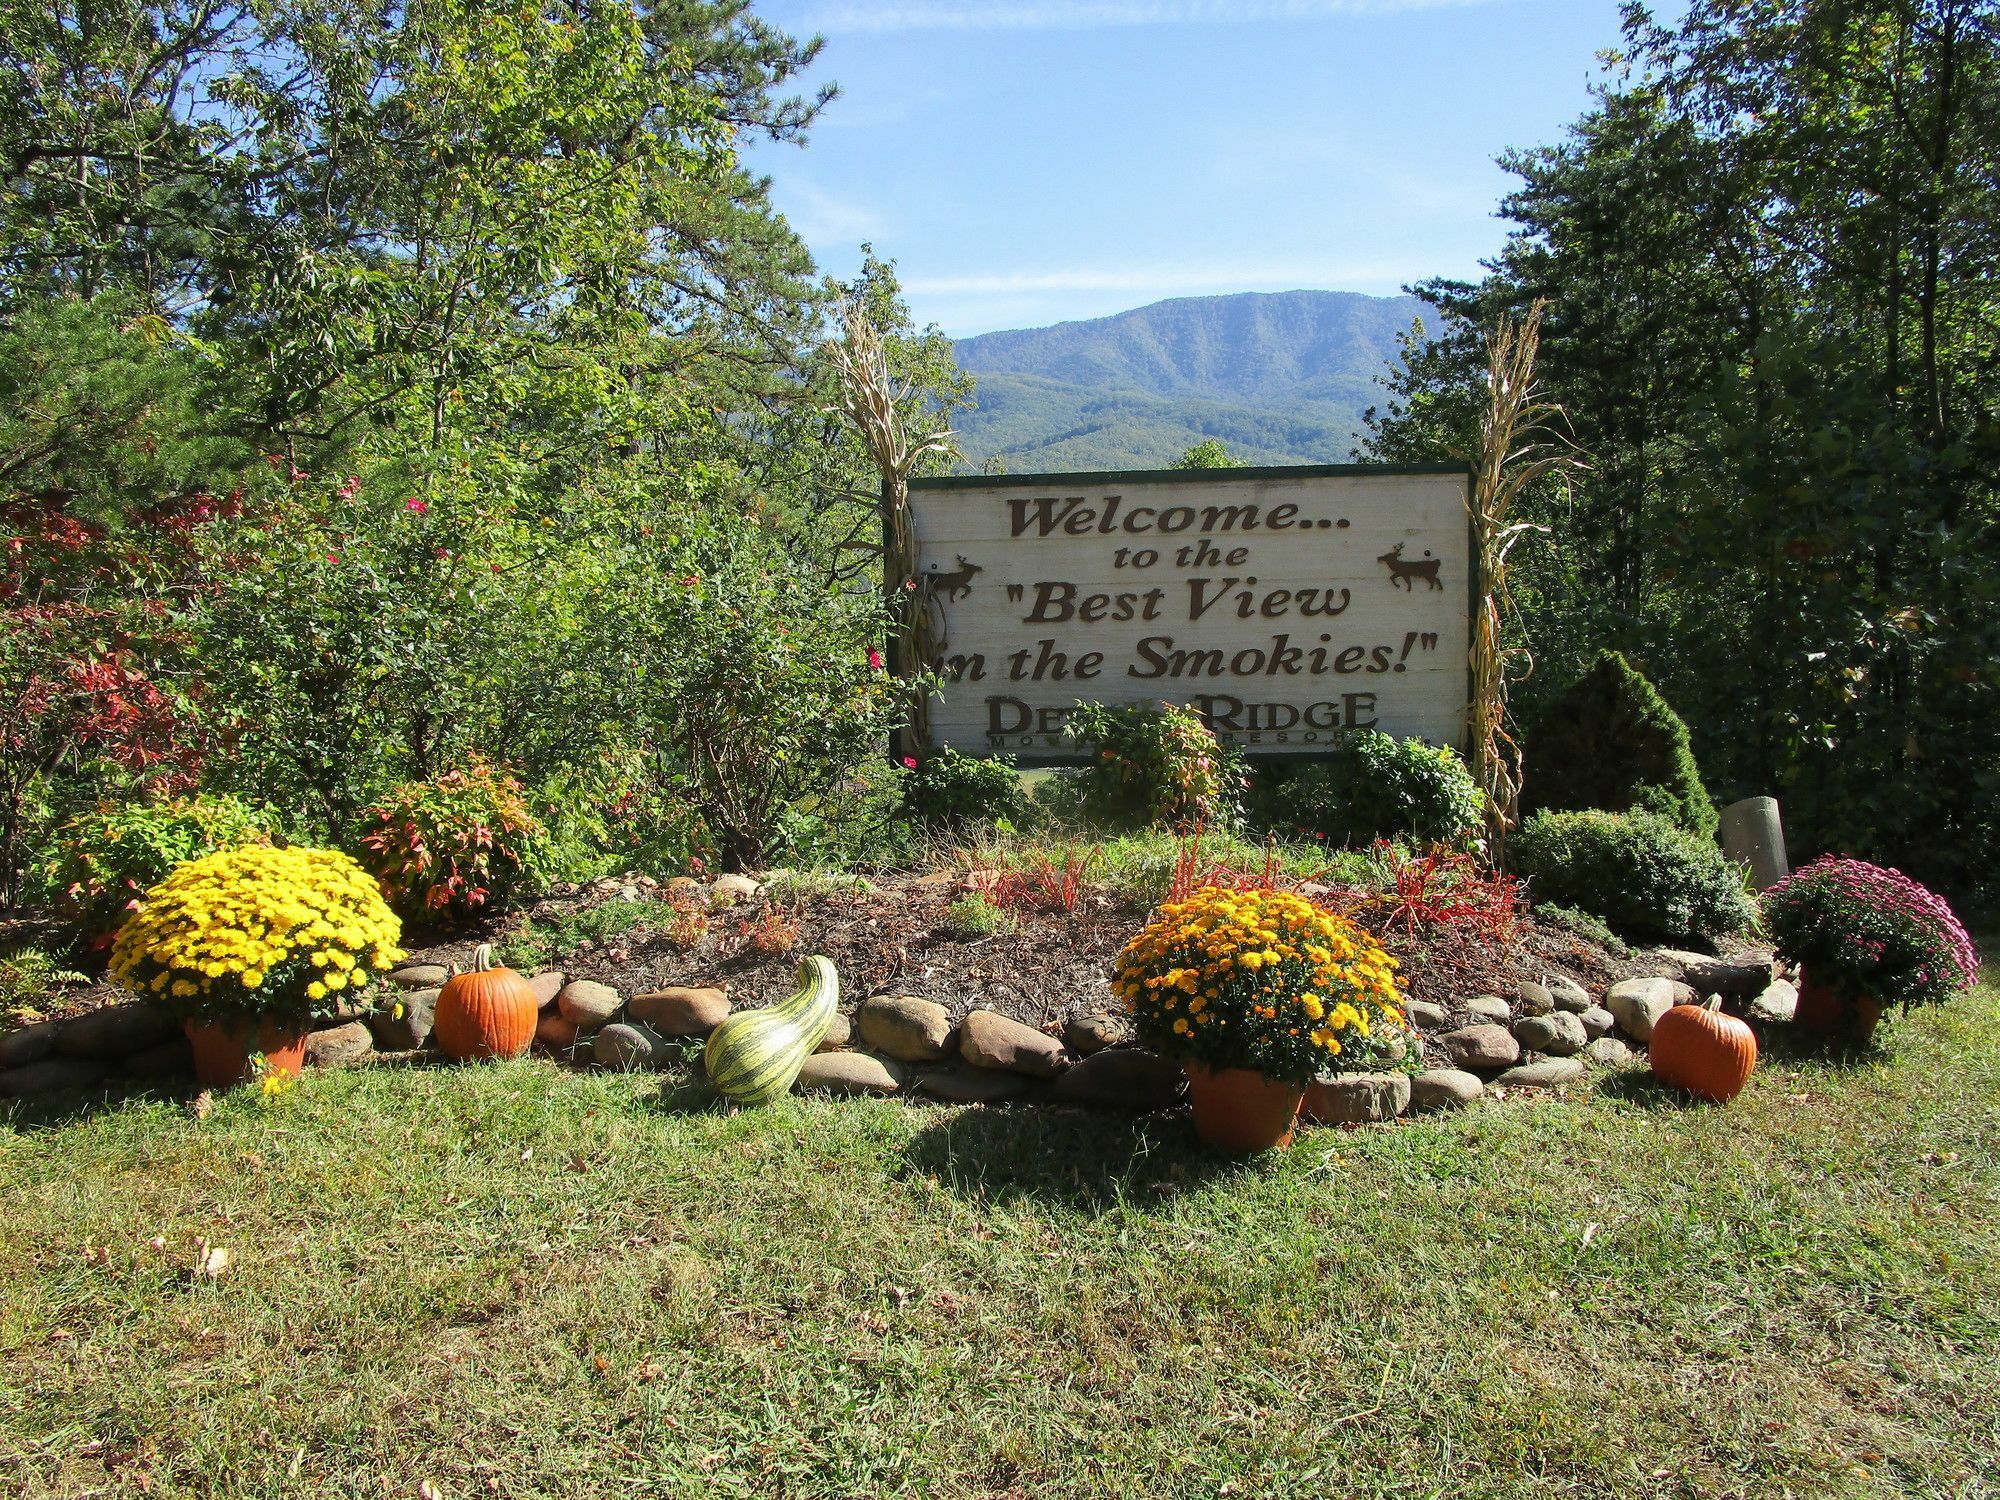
{"x": 488, "y": 1011}
{"x": 1700, "y": 1049}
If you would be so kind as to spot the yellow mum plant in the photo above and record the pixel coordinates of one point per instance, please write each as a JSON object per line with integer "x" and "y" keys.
{"x": 1262, "y": 980}
{"x": 258, "y": 931}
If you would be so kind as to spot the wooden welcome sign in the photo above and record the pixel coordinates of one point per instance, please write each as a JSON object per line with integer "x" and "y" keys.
{"x": 1286, "y": 605}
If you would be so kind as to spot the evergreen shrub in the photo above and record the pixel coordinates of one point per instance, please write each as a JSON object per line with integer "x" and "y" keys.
{"x": 1647, "y": 879}
{"x": 1611, "y": 742}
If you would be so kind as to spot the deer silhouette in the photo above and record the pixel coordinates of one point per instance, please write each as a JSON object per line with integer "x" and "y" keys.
{"x": 1404, "y": 572}
{"x": 955, "y": 584}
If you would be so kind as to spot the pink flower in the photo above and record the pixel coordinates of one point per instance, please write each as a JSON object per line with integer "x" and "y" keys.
{"x": 875, "y": 659}
{"x": 416, "y": 505}
{"x": 333, "y": 557}
{"x": 352, "y": 488}
{"x": 909, "y": 763}
{"x": 442, "y": 551}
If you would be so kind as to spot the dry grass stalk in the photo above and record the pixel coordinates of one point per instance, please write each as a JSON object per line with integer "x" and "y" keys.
{"x": 872, "y": 400}
{"x": 1519, "y": 446}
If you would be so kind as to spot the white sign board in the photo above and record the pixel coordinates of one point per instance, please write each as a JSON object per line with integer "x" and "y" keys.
{"x": 1286, "y": 605}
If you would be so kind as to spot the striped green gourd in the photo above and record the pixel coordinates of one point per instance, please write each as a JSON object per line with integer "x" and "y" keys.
{"x": 755, "y": 1055}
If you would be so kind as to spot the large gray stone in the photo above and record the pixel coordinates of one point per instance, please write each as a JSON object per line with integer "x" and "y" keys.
{"x": 838, "y": 1032}
{"x": 964, "y": 1084}
{"x": 1121, "y": 1078}
{"x": 681, "y": 1010}
{"x": 1096, "y": 1030}
{"x": 1533, "y": 999}
{"x": 1607, "y": 1052}
{"x": 420, "y": 976}
{"x": 906, "y": 1028}
{"x": 1738, "y": 978}
{"x": 1482, "y": 1046}
{"x": 1597, "y": 1022}
{"x": 1550, "y": 1073}
{"x": 50, "y": 1074}
{"x": 1358, "y": 1098}
{"x": 404, "y": 1021}
{"x": 340, "y": 1046}
{"x": 850, "y": 1073}
{"x": 1444, "y": 1088}
{"x": 1426, "y": 1015}
{"x": 547, "y": 985}
{"x": 28, "y": 1044}
{"x": 1752, "y": 833}
{"x": 1778, "y": 1002}
{"x": 116, "y": 1031}
{"x": 556, "y": 1031}
{"x": 589, "y": 1003}
{"x": 628, "y": 1047}
{"x": 987, "y": 1039}
{"x": 1490, "y": 1008}
{"x": 1559, "y": 1034}
{"x": 731, "y": 888}
{"x": 1568, "y": 994}
{"x": 1637, "y": 1003}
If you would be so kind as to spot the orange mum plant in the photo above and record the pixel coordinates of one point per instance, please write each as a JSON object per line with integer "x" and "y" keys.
{"x": 1262, "y": 980}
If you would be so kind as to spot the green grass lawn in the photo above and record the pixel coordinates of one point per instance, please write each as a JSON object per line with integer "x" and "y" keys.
{"x": 519, "y": 1281}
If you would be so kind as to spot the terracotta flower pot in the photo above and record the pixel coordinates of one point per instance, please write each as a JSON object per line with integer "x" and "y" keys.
{"x": 1239, "y": 1110}
{"x": 222, "y": 1051}
{"x": 1829, "y": 1012}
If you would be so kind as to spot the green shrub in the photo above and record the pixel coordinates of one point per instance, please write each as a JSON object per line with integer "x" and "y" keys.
{"x": 1374, "y": 786}
{"x": 948, "y": 790}
{"x": 1611, "y": 742}
{"x": 1156, "y": 766}
{"x": 1649, "y": 880}
{"x": 453, "y": 845}
{"x": 975, "y": 916}
{"x": 105, "y": 858}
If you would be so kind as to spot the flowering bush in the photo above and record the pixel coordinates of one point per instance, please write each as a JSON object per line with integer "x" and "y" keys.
{"x": 1161, "y": 766}
{"x": 1870, "y": 932}
{"x": 105, "y": 859}
{"x": 453, "y": 844}
{"x": 1262, "y": 980}
{"x": 258, "y": 931}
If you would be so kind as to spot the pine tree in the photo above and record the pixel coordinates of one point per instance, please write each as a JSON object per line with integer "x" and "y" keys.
{"x": 1612, "y": 742}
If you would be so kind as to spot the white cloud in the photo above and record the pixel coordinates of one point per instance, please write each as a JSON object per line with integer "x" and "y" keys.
{"x": 820, "y": 216}
{"x": 1073, "y": 15}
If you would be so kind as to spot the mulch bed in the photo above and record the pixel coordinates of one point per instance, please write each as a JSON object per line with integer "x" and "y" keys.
{"x": 890, "y": 936}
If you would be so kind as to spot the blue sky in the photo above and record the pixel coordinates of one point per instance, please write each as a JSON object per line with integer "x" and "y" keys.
{"x": 1030, "y": 161}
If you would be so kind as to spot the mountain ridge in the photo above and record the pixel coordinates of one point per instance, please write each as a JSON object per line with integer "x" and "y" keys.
{"x": 1277, "y": 377}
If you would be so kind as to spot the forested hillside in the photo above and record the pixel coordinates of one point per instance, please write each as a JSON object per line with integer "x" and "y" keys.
{"x": 1277, "y": 377}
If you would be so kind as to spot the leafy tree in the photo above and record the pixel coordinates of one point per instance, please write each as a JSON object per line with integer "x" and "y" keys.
{"x": 1207, "y": 454}
{"x": 1768, "y": 250}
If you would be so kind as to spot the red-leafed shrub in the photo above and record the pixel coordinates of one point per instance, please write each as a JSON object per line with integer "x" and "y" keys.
{"x": 1044, "y": 884}
{"x": 1196, "y": 869}
{"x": 1445, "y": 888}
{"x": 452, "y": 845}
